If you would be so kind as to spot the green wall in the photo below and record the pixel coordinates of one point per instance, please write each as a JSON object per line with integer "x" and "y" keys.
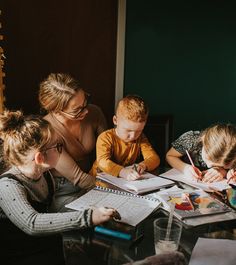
{"x": 181, "y": 57}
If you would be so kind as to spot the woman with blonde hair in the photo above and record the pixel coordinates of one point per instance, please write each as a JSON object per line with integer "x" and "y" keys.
{"x": 32, "y": 149}
{"x": 77, "y": 123}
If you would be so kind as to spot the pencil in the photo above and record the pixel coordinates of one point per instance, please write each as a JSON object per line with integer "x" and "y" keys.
{"x": 135, "y": 168}
{"x": 191, "y": 161}
{"x": 189, "y": 157}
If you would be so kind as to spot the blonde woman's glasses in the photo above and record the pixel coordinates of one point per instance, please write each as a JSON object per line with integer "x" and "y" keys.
{"x": 80, "y": 110}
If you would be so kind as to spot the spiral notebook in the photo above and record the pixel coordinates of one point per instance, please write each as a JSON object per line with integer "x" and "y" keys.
{"x": 131, "y": 207}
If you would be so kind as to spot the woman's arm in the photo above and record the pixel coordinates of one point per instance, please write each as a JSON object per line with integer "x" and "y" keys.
{"x": 69, "y": 169}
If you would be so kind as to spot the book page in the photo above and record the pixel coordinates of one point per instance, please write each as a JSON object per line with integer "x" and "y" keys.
{"x": 132, "y": 209}
{"x": 176, "y": 175}
{"x": 149, "y": 182}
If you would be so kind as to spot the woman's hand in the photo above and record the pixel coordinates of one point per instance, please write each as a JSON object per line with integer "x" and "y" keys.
{"x": 231, "y": 176}
{"x": 129, "y": 174}
{"x": 103, "y": 214}
{"x": 214, "y": 174}
{"x": 192, "y": 172}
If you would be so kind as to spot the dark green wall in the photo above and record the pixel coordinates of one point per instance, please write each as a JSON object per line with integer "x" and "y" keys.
{"x": 181, "y": 57}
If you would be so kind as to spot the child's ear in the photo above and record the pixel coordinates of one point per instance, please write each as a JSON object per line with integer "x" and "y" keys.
{"x": 115, "y": 120}
{"x": 39, "y": 158}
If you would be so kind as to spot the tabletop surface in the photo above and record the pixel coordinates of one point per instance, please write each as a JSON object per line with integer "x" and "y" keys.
{"x": 89, "y": 247}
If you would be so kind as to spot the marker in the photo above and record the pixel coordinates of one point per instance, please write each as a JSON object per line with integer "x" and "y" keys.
{"x": 110, "y": 232}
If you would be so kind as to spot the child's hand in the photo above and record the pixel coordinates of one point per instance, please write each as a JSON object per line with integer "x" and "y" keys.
{"x": 231, "y": 176}
{"x": 129, "y": 174}
{"x": 214, "y": 174}
{"x": 141, "y": 167}
{"x": 103, "y": 214}
{"x": 192, "y": 172}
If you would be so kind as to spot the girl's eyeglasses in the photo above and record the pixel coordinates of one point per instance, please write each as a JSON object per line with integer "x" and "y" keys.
{"x": 58, "y": 146}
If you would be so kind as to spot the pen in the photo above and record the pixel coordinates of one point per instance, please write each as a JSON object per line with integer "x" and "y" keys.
{"x": 111, "y": 232}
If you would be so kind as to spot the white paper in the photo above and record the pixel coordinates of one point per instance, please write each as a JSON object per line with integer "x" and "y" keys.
{"x": 176, "y": 175}
{"x": 148, "y": 183}
{"x": 132, "y": 208}
{"x": 214, "y": 252}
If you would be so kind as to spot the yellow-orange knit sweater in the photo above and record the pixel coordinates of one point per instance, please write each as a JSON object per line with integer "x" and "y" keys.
{"x": 113, "y": 154}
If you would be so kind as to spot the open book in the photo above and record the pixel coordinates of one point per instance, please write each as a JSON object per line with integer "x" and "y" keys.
{"x": 149, "y": 182}
{"x": 191, "y": 203}
{"x": 132, "y": 208}
{"x": 176, "y": 175}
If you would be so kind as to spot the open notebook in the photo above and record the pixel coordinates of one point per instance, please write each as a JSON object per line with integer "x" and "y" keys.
{"x": 176, "y": 175}
{"x": 149, "y": 182}
{"x": 132, "y": 208}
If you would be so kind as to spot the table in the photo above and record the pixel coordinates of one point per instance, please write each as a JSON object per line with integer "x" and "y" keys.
{"x": 88, "y": 247}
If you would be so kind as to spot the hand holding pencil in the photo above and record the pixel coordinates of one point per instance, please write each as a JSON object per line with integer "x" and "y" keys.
{"x": 139, "y": 168}
{"x": 130, "y": 173}
{"x": 196, "y": 172}
{"x": 231, "y": 176}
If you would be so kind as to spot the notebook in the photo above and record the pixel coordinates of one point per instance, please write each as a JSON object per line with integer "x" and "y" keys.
{"x": 132, "y": 208}
{"x": 192, "y": 203}
{"x": 176, "y": 175}
{"x": 149, "y": 182}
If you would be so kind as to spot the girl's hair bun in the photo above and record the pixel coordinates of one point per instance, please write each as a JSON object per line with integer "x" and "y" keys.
{"x": 10, "y": 121}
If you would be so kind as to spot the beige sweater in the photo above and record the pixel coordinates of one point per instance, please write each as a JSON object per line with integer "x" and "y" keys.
{"x": 76, "y": 161}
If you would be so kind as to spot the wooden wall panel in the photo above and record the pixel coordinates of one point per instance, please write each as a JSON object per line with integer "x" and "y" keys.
{"x": 74, "y": 36}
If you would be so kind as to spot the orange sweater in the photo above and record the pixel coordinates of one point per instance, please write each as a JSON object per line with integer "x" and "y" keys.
{"x": 113, "y": 154}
